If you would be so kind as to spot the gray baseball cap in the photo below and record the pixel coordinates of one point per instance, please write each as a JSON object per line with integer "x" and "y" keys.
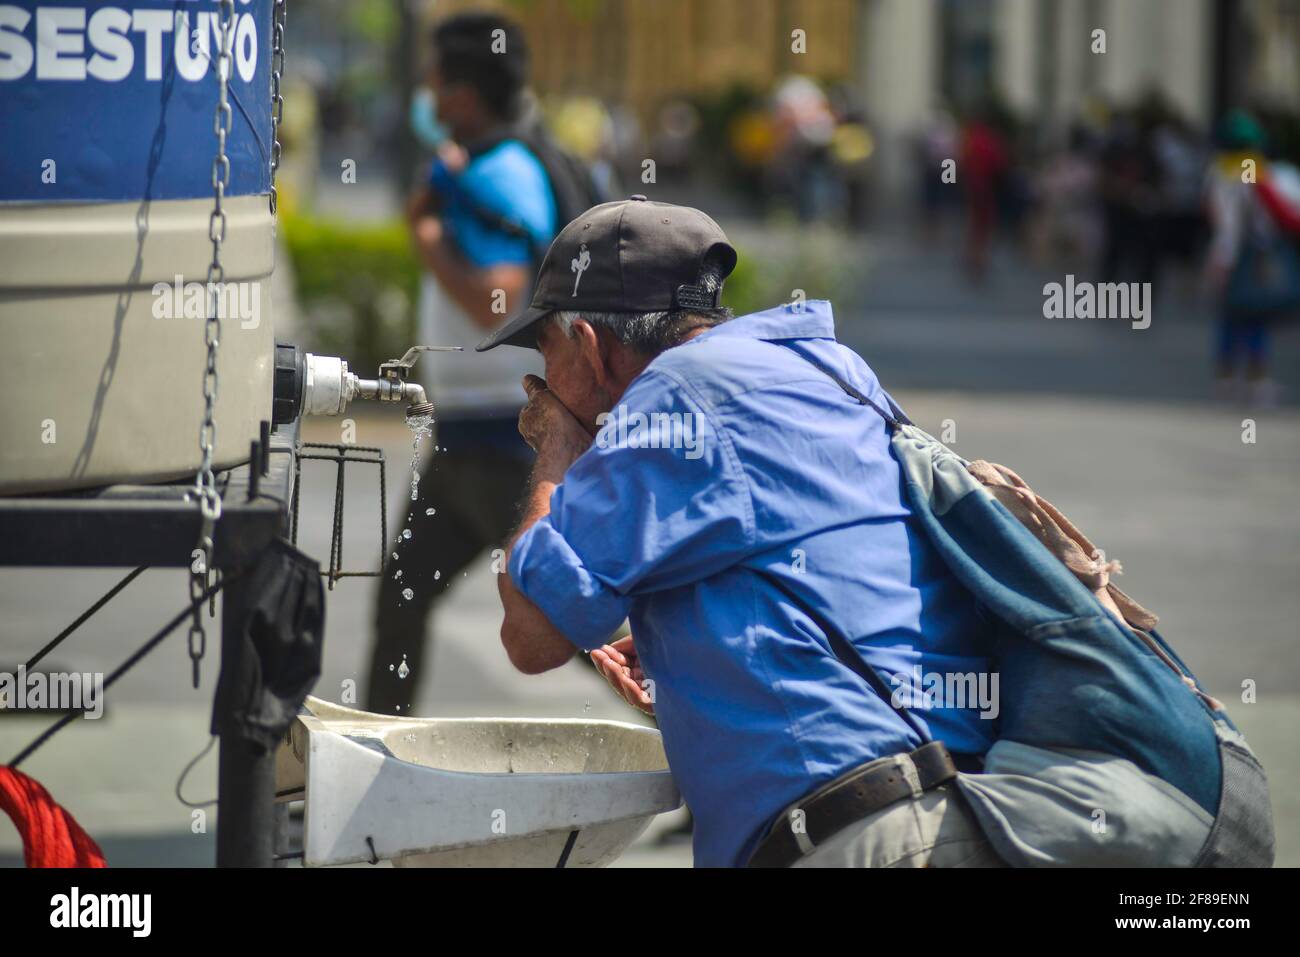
{"x": 627, "y": 256}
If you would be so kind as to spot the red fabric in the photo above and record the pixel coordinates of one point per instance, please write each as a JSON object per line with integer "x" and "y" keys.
{"x": 51, "y": 837}
{"x": 1284, "y": 214}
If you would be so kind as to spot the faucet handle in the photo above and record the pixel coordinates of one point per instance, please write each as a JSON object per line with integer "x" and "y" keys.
{"x": 398, "y": 369}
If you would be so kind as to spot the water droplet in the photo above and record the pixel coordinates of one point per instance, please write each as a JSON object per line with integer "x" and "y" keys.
{"x": 403, "y": 669}
{"x": 406, "y": 533}
{"x": 430, "y": 511}
{"x": 391, "y": 667}
{"x": 394, "y": 554}
{"x": 437, "y": 575}
{"x": 586, "y": 706}
{"x": 397, "y": 574}
{"x": 408, "y": 594}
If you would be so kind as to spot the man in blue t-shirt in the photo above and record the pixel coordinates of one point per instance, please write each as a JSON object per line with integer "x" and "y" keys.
{"x": 478, "y": 223}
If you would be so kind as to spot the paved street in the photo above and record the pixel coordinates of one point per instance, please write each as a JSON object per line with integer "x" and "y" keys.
{"x": 1111, "y": 424}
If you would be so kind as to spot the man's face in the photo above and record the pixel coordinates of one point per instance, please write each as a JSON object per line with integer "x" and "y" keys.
{"x": 572, "y": 374}
{"x": 457, "y": 103}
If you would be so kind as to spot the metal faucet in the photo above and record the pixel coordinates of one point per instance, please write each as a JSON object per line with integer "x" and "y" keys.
{"x": 329, "y": 386}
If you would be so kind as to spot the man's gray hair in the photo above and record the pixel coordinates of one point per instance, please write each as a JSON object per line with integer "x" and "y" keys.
{"x": 648, "y": 333}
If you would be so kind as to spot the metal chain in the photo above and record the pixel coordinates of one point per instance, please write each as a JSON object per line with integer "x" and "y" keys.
{"x": 277, "y": 99}
{"x": 205, "y": 482}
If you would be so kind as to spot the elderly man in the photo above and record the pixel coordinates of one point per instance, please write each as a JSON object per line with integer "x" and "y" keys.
{"x": 711, "y": 479}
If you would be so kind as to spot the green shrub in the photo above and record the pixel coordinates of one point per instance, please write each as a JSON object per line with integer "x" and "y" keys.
{"x": 357, "y": 286}
{"x": 767, "y": 273}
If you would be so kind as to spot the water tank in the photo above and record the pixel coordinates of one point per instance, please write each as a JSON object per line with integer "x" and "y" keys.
{"x": 106, "y": 168}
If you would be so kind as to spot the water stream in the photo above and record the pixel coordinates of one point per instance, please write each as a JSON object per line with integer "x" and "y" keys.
{"x": 421, "y": 426}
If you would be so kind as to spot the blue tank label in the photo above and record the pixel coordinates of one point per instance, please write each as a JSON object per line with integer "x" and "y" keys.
{"x": 117, "y": 101}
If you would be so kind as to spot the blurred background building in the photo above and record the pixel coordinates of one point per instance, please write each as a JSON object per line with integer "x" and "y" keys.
{"x": 829, "y": 112}
{"x": 893, "y": 63}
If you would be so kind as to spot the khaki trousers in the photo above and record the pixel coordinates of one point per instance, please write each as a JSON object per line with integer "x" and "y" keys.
{"x": 934, "y": 828}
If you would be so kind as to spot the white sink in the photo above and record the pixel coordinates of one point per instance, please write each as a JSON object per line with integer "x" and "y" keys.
{"x": 470, "y": 792}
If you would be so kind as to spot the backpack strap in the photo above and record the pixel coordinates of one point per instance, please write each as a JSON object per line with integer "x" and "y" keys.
{"x": 844, "y": 650}
{"x": 503, "y": 223}
{"x": 896, "y": 420}
{"x": 851, "y": 659}
{"x": 509, "y": 226}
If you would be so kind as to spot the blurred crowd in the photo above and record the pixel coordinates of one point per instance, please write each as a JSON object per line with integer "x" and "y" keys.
{"x": 1135, "y": 196}
{"x": 1123, "y": 194}
{"x": 800, "y": 148}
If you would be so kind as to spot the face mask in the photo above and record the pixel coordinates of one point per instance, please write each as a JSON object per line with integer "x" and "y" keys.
{"x": 424, "y": 119}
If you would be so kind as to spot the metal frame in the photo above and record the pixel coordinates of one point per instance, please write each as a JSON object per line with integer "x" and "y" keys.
{"x": 157, "y": 525}
{"x": 343, "y": 455}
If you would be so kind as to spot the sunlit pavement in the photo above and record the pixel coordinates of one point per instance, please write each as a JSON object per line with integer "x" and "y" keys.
{"x": 1204, "y": 524}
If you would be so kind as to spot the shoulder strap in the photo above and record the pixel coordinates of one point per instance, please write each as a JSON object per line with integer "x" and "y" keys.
{"x": 851, "y": 659}
{"x": 503, "y": 223}
{"x": 507, "y": 225}
{"x": 896, "y": 421}
{"x": 843, "y": 649}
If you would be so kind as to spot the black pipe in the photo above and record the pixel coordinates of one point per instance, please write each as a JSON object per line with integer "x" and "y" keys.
{"x": 264, "y": 437}
{"x": 246, "y": 771}
{"x": 289, "y": 375}
{"x": 245, "y": 805}
{"x": 254, "y": 468}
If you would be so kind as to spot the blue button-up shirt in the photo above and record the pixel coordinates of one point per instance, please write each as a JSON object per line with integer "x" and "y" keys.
{"x": 758, "y": 482}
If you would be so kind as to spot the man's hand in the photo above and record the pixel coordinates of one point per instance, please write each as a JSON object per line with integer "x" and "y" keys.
{"x": 454, "y": 157}
{"x": 551, "y": 430}
{"x": 532, "y": 642}
{"x": 427, "y": 233}
{"x": 619, "y": 663}
{"x": 419, "y": 205}
{"x": 476, "y": 289}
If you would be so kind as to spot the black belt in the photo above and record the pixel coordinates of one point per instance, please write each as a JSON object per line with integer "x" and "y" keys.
{"x": 849, "y": 798}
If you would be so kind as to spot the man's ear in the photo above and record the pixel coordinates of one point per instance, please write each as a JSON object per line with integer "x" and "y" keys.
{"x": 595, "y": 346}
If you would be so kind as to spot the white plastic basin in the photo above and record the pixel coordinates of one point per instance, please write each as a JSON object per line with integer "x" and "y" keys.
{"x": 471, "y": 792}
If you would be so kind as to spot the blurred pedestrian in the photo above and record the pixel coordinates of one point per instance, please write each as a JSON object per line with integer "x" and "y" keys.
{"x": 802, "y": 167}
{"x": 1130, "y": 198}
{"x": 984, "y": 161}
{"x": 487, "y": 207}
{"x": 1252, "y": 263}
{"x": 937, "y": 144}
{"x": 1182, "y": 159}
{"x": 1066, "y": 222}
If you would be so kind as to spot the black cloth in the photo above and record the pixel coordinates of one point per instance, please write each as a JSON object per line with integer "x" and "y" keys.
{"x": 278, "y": 646}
